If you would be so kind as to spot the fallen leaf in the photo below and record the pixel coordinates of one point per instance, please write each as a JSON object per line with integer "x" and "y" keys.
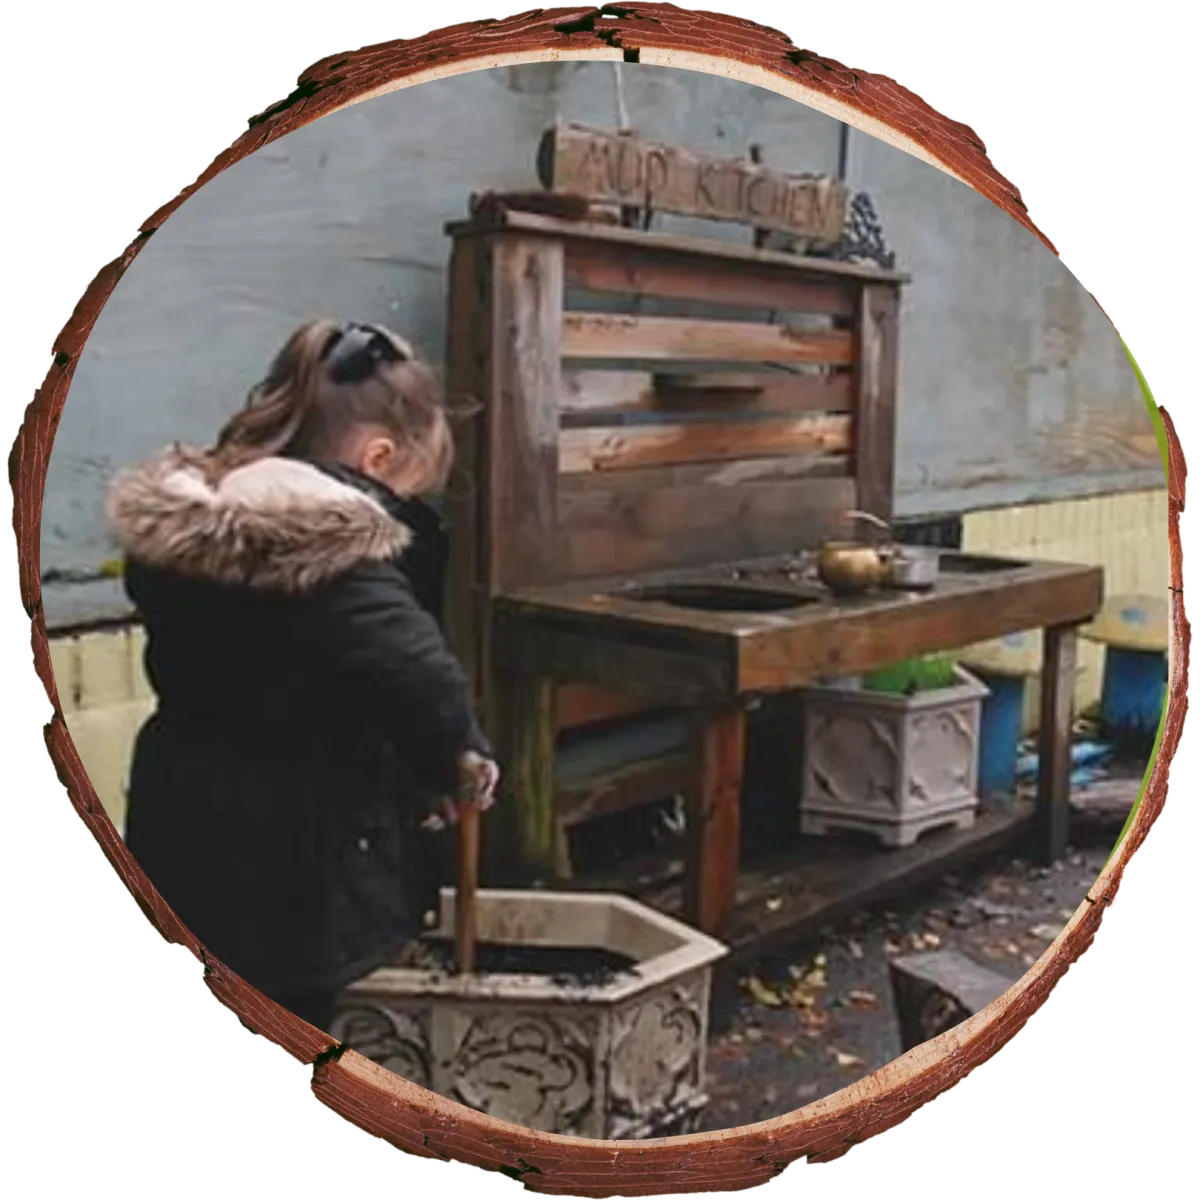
{"x": 760, "y": 993}
{"x": 862, "y": 998}
{"x": 754, "y": 1034}
{"x": 1065, "y": 914}
{"x": 890, "y": 947}
{"x": 800, "y": 997}
{"x": 932, "y": 941}
{"x": 844, "y": 1059}
{"x": 1012, "y": 948}
{"x": 774, "y": 904}
{"x": 855, "y": 948}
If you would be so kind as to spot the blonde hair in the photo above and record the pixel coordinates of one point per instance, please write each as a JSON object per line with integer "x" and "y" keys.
{"x": 304, "y": 409}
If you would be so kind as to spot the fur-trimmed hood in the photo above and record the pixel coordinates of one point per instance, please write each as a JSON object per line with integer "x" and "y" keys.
{"x": 275, "y": 523}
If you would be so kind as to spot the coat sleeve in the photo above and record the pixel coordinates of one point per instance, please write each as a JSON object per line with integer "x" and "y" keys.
{"x": 391, "y": 650}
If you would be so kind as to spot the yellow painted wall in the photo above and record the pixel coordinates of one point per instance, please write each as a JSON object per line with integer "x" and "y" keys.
{"x": 1125, "y": 534}
{"x": 106, "y": 699}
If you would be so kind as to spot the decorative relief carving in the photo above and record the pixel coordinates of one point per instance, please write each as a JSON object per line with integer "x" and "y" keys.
{"x": 941, "y": 755}
{"x": 894, "y": 767}
{"x": 391, "y": 1037}
{"x": 526, "y": 1067}
{"x": 656, "y": 1055}
{"x": 853, "y": 761}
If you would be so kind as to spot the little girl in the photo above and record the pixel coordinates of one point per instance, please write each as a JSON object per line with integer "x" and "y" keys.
{"x": 310, "y": 717}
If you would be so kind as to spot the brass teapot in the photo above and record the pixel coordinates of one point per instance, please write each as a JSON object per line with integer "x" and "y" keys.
{"x": 850, "y": 567}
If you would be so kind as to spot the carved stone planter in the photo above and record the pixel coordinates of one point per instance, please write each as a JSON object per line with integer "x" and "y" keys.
{"x": 617, "y": 1059}
{"x": 894, "y": 766}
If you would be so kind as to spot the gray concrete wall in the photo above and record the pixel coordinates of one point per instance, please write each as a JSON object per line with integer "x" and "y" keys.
{"x": 1013, "y": 385}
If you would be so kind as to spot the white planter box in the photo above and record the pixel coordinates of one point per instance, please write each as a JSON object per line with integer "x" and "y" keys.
{"x": 622, "y": 1059}
{"x": 893, "y": 766}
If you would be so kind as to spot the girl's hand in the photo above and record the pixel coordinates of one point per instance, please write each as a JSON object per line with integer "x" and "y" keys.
{"x": 479, "y": 779}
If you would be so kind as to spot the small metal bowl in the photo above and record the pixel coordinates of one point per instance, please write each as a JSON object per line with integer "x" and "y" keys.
{"x": 913, "y": 568}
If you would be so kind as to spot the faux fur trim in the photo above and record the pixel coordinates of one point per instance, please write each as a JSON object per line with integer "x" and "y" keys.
{"x": 275, "y": 523}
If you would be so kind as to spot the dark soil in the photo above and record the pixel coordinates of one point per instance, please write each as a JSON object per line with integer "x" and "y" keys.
{"x": 564, "y": 966}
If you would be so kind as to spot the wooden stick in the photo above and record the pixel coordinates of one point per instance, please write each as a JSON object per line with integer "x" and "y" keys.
{"x": 468, "y": 883}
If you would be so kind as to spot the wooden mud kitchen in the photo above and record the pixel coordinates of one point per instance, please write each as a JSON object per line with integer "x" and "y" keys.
{"x": 666, "y": 428}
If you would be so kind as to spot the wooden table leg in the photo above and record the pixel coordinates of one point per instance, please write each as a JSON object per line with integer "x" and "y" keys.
{"x": 524, "y": 708}
{"x": 714, "y": 819}
{"x": 1054, "y": 742}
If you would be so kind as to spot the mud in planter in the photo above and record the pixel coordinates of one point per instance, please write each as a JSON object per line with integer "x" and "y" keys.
{"x": 894, "y": 766}
{"x": 589, "y": 1017}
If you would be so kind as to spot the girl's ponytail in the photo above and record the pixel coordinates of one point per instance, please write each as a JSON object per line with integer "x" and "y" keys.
{"x": 279, "y": 407}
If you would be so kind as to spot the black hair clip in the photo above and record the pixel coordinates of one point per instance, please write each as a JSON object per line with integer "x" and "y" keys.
{"x": 357, "y": 349}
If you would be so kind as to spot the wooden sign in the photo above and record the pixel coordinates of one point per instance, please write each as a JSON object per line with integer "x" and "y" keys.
{"x": 621, "y": 168}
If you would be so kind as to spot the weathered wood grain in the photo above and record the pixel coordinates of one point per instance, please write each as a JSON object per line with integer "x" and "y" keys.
{"x": 607, "y": 448}
{"x": 877, "y": 339}
{"x": 522, "y": 406}
{"x": 589, "y": 395}
{"x": 714, "y": 818}
{"x": 1059, "y": 645}
{"x": 617, "y": 335}
{"x": 622, "y": 168}
{"x": 681, "y": 274}
{"x": 614, "y": 532}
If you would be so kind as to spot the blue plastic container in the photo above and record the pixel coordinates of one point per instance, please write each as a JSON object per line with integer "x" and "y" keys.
{"x": 1134, "y": 691}
{"x": 1000, "y": 733}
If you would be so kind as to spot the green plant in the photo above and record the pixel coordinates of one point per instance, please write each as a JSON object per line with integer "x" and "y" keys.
{"x": 929, "y": 673}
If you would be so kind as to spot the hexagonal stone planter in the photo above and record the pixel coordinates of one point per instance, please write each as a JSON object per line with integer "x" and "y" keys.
{"x": 891, "y": 765}
{"x": 616, "y": 1057}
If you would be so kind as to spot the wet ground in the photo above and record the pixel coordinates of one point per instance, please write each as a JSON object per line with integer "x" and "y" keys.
{"x": 813, "y": 1021}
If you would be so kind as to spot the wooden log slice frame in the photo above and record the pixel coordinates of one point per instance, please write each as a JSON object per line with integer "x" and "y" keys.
{"x": 380, "y": 1102}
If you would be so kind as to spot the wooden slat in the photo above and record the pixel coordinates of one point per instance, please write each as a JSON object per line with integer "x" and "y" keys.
{"x": 614, "y": 532}
{"x": 523, "y": 406}
{"x": 617, "y": 335}
{"x": 706, "y": 474}
{"x": 875, "y": 412}
{"x": 702, "y": 277}
{"x": 579, "y": 704}
{"x": 615, "y": 448}
{"x": 596, "y": 394}
{"x": 617, "y": 239}
{"x": 630, "y": 786}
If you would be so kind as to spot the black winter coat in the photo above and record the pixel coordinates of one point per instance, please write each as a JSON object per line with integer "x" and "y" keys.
{"x": 309, "y": 712}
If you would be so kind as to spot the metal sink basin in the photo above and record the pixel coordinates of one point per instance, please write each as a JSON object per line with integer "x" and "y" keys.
{"x": 957, "y": 563}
